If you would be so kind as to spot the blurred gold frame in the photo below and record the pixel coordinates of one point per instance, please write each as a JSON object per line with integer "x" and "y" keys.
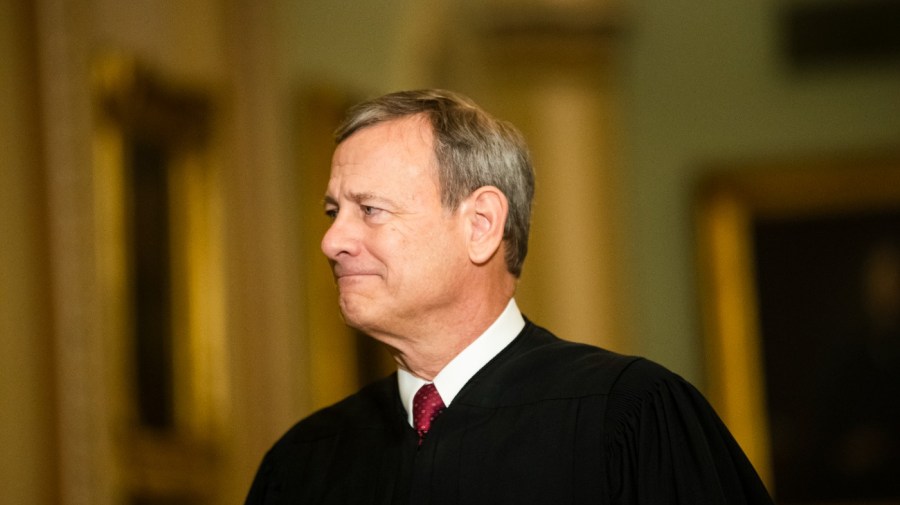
{"x": 728, "y": 203}
{"x": 177, "y": 457}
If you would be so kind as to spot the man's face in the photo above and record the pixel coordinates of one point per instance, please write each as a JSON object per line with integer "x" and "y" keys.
{"x": 397, "y": 255}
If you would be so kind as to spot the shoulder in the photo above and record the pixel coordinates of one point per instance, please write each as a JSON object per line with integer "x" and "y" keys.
{"x": 539, "y": 362}
{"x": 300, "y": 462}
{"x": 647, "y": 381}
{"x": 647, "y": 396}
{"x": 540, "y": 366}
{"x": 643, "y": 376}
{"x": 372, "y": 407}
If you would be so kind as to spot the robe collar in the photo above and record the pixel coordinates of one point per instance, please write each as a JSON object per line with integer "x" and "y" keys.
{"x": 451, "y": 379}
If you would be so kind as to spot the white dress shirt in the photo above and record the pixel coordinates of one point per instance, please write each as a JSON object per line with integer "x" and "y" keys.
{"x": 467, "y": 363}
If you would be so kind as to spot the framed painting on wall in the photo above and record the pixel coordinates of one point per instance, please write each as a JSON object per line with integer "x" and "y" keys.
{"x": 800, "y": 278}
{"x": 159, "y": 243}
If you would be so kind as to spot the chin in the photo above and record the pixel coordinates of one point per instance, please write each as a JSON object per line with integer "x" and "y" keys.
{"x": 356, "y": 316}
{"x": 367, "y": 322}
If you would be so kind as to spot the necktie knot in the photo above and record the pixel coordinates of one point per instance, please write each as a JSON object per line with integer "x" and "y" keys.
{"x": 427, "y": 404}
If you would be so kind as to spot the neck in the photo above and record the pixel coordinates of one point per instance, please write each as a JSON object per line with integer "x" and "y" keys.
{"x": 427, "y": 351}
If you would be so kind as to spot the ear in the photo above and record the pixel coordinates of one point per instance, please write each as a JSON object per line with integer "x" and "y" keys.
{"x": 487, "y": 208}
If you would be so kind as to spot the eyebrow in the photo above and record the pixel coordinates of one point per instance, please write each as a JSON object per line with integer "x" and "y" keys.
{"x": 360, "y": 198}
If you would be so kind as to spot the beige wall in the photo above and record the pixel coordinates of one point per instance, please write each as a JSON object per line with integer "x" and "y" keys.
{"x": 27, "y": 430}
{"x": 707, "y": 85}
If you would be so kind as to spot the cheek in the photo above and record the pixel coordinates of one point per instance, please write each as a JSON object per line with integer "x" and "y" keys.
{"x": 425, "y": 250}
{"x": 393, "y": 248}
{"x": 444, "y": 254}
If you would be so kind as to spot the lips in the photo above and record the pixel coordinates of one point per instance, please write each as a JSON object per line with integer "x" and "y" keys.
{"x": 350, "y": 277}
{"x": 344, "y": 273}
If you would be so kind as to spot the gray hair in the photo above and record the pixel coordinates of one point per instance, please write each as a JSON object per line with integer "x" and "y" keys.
{"x": 473, "y": 149}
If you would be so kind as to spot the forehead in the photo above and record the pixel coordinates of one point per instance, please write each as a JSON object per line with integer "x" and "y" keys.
{"x": 397, "y": 153}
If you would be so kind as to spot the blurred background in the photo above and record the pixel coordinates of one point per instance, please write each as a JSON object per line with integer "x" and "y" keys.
{"x": 165, "y": 313}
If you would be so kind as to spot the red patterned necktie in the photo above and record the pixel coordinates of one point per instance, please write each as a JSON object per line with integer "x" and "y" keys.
{"x": 427, "y": 404}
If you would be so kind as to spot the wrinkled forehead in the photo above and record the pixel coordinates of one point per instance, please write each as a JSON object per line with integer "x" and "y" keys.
{"x": 413, "y": 131}
{"x": 392, "y": 154}
{"x": 403, "y": 141}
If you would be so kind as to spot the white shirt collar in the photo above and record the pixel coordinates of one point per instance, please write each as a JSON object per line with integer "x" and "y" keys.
{"x": 467, "y": 363}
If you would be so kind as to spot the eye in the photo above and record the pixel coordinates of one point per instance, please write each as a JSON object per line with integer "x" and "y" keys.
{"x": 369, "y": 210}
{"x": 331, "y": 213}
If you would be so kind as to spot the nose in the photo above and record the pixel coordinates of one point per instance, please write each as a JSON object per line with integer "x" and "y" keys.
{"x": 340, "y": 238}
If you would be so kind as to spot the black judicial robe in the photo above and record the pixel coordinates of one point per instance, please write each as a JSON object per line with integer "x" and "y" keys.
{"x": 545, "y": 422}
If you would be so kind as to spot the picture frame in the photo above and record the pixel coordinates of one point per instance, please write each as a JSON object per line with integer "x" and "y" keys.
{"x": 161, "y": 284}
{"x": 798, "y": 263}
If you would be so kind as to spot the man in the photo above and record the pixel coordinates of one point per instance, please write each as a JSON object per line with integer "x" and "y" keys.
{"x": 430, "y": 201}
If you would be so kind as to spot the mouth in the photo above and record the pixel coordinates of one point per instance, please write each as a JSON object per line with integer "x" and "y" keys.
{"x": 343, "y": 275}
{"x": 351, "y": 283}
